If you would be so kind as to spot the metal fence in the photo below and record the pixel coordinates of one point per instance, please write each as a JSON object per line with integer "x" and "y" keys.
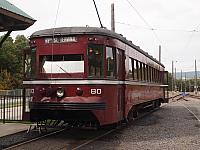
{"x": 11, "y": 105}
{"x": 16, "y": 92}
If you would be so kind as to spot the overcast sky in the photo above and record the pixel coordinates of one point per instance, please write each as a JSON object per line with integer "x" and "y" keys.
{"x": 175, "y": 24}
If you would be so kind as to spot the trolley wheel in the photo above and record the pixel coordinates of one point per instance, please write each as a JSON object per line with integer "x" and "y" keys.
{"x": 132, "y": 115}
{"x": 158, "y": 103}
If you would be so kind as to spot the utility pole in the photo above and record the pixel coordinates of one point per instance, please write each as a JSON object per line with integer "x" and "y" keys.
{"x": 181, "y": 82}
{"x": 160, "y": 53}
{"x": 112, "y": 17}
{"x": 175, "y": 80}
{"x": 195, "y": 77}
{"x": 189, "y": 86}
{"x": 172, "y": 76}
{"x": 185, "y": 81}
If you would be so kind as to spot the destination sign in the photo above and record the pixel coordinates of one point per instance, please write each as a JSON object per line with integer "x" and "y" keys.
{"x": 61, "y": 40}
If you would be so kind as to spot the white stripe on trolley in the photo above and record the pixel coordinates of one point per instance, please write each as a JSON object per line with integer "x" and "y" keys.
{"x": 73, "y": 82}
{"x": 90, "y": 82}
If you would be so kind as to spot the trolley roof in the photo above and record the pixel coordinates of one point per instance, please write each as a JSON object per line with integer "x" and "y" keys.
{"x": 67, "y": 31}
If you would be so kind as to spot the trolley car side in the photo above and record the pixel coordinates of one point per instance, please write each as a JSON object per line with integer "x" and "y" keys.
{"x": 89, "y": 75}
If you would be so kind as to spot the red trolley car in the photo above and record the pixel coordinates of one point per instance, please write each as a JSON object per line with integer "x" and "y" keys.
{"x": 90, "y": 75}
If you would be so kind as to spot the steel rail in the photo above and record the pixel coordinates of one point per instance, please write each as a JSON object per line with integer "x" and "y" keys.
{"x": 112, "y": 130}
{"x": 89, "y": 140}
{"x": 34, "y": 139}
{"x": 197, "y": 118}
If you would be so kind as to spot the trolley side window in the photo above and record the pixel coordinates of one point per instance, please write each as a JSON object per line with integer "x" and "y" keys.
{"x": 135, "y": 70}
{"x": 139, "y": 70}
{"x": 130, "y": 72}
{"x": 95, "y": 60}
{"x": 111, "y": 61}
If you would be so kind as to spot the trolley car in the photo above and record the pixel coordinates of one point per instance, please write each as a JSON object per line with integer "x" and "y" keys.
{"x": 90, "y": 75}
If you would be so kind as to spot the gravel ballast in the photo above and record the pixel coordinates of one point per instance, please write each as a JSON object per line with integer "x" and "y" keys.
{"x": 170, "y": 127}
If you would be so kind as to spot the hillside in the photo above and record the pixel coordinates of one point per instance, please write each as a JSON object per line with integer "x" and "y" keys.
{"x": 189, "y": 75}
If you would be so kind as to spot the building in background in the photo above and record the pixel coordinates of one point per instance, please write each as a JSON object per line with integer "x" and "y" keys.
{"x": 13, "y": 19}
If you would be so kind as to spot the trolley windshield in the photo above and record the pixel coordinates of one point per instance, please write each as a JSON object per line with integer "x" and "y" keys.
{"x": 62, "y": 64}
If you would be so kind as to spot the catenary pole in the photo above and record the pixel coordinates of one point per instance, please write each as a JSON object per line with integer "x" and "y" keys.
{"x": 195, "y": 76}
{"x": 185, "y": 81}
{"x": 175, "y": 80}
{"x": 160, "y": 53}
{"x": 181, "y": 82}
{"x": 112, "y": 17}
{"x": 172, "y": 76}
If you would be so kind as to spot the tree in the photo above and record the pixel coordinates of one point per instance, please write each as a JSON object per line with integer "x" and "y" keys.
{"x": 20, "y": 43}
{"x": 11, "y": 65}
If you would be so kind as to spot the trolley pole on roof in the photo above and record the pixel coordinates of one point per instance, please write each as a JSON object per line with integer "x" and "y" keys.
{"x": 112, "y": 17}
{"x": 98, "y": 14}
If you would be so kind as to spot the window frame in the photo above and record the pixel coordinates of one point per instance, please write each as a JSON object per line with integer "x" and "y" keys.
{"x": 102, "y": 72}
{"x": 114, "y": 52}
{"x": 130, "y": 76}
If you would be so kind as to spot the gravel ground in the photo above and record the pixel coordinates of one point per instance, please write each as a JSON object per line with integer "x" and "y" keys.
{"x": 13, "y": 139}
{"x": 16, "y": 138}
{"x": 67, "y": 139}
{"x": 171, "y": 127}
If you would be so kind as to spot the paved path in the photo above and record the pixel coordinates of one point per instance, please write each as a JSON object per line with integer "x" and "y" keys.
{"x": 11, "y": 128}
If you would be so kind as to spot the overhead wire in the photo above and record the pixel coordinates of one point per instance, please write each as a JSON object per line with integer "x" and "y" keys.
{"x": 149, "y": 27}
{"x": 53, "y": 35}
{"x": 158, "y": 29}
{"x": 191, "y": 37}
{"x": 144, "y": 20}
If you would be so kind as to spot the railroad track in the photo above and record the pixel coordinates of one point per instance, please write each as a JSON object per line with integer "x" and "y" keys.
{"x": 188, "y": 107}
{"x": 73, "y": 136}
{"x": 34, "y": 139}
{"x": 194, "y": 96}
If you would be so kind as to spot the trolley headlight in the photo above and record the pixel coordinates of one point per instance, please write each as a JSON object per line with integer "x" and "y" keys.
{"x": 60, "y": 92}
{"x": 79, "y": 91}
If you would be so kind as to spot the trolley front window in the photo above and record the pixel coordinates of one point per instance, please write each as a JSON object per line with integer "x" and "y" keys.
{"x": 60, "y": 64}
{"x": 95, "y": 60}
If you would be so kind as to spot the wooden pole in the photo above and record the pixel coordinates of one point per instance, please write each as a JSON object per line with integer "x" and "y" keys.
{"x": 160, "y": 53}
{"x": 195, "y": 76}
{"x": 112, "y": 17}
{"x": 172, "y": 76}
